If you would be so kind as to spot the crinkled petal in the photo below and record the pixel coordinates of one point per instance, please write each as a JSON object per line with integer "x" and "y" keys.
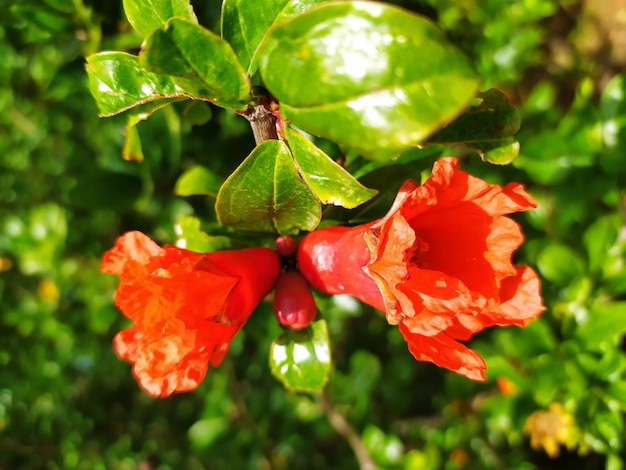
{"x": 131, "y": 246}
{"x": 448, "y": 185}
{"x": 436, "y": 298}
{"x": 175, "y": 291}
{"x": 186, "y": 307}
{"x": 172, "y": 361}
{"x": 520, "y": 299}
{"x": 445, "y": 352}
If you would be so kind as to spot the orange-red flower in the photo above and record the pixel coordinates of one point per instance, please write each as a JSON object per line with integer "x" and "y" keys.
{"x": 185, "y": 307}
{"x": 438, "y": 264}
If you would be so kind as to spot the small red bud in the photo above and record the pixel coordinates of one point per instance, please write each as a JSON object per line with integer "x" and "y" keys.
{"x": 294, "y": 305}
{"x": 286, "y": 246}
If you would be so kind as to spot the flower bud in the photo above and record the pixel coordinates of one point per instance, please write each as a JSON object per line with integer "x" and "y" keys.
{"x": 294, "y": 305}
{"x": 286, "y": 246}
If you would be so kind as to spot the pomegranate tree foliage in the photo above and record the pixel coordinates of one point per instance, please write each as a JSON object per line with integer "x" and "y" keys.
{"x": 66, "y": 401}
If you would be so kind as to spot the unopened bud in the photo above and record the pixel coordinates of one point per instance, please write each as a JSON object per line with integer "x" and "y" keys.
{"x": 286, "y": 246}
{"x": 294, "y": 305}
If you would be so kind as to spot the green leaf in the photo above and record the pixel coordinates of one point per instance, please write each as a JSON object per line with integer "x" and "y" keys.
{"x": 560, "y": 264}
{"x": 366, "y": 75}
{"x": 599, "y": 239}
{"x": 387, "y": 180}
{"x": 605, "y": 326}
{"x": 266, "y": 194}
{"x": 329, "y": 181}
{"x": 190, "y": 236}
{"x": 613, "y": 115}
{"x": 301, "y": 359}
{"x": 132, "y": 150}
{"x": 197, "y": 113}
{"x": 118, "y": 83}
{"x": 202, "y": 63}
{"x": 487, "y": 126}
{"x": 147, "y": 15}
{"x": 245, "y": 22}
{"x": 198, "y": 180}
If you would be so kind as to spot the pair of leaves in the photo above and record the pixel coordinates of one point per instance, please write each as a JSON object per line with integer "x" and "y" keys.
{"x": 279, "y": 188}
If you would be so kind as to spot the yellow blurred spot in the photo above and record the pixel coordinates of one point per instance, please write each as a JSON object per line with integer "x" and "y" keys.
{"x": 549, "y": 429}
{"x": 48, "y": 291}
{"x": 5, "y": 264}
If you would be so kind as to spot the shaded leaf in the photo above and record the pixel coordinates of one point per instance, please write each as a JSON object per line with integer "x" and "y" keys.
{"x": 266, "y": 194}
{"x": 118, "y": 83}
{"x": 202, "y": 63}
{"x": 197, "y": 113}
{"x": 147, "y": 15}
{"x": 366, "y": 75}
{"x": 488, "y": 127}
{"x": 330, "y": 182}
{"x": 300, "y": 359}
{"x": 106, "y": 190}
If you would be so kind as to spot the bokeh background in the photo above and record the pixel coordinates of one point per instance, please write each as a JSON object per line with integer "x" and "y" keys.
{"x": 556, "y": 393}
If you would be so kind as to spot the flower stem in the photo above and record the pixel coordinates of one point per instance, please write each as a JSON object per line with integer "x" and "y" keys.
{"x": 262, "y": 121}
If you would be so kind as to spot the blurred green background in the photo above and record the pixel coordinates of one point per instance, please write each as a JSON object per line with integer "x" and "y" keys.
{"x": 66, "y": 401}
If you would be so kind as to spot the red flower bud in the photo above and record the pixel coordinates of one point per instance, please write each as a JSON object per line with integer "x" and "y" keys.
{"x": 186, "y": 307}
{"x": 294, "y": 305}
{"x": 286, "y": 246}
{"x": 438, "y": 264}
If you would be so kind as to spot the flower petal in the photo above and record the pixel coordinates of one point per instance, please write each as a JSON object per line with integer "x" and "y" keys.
{"x": 520, "y": 299}
{"x": 186, "y": 307}
{"x": 445, "y": 352}
{"x": 130, "y": 246}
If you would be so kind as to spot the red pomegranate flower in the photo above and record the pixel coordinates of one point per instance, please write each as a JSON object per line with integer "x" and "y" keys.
{"x": 186, "y": 307}
{"x": 438, "y": 264}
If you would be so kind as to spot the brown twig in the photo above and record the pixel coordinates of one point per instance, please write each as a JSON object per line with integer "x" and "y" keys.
{"x": 343, "y": 428}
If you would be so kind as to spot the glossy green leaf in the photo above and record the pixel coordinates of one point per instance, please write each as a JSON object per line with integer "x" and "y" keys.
{"x": 245, "y": 22}
{"x": 487, "y": 126}
{"x": 147, "y": 15}
{"x": 330, "y": 182}
{"x": 301, "y": 359}
{"x": 198, "y": 180}
{"x": 366, "y": 75}
{"x": 266, "y": 194}
{"x": 202, "y": 63}
{"x": 118, "y": 83}
{"x": 190, "y": 236}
